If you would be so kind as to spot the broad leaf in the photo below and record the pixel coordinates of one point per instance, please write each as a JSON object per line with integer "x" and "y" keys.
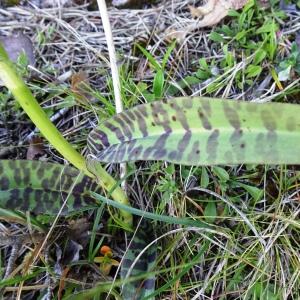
{"x": 201, "y": 131}
{"x": 210, "y": 212}
{"x": 42, "y": 187}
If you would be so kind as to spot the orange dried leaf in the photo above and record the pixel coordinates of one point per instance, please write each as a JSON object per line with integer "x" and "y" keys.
{"x": 62, "y": 282}
{"x": 80, "y": 85}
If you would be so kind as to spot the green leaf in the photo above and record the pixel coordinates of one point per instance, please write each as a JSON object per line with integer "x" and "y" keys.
{"x": 189, "y": 81}
{"x": 221, "y": 173}
{"x": 152, "y": 216}
{"x": 151, "y": 58}
{"x": 42, "y": 187}
{"x": 203, "y": 64}
{"x": 213, "y": 86}
{"x": 233, "y": 13}
{"x": 149, "y": 97}
{"x": 201, "y": 131}
{"x": 229, "y": 58}
{"x": 139, "y": 289}
{"x": 271, "y": 45}
{"x": 167, "y": 54}
{"x": 227, "y": 30}
{"x": 203, "y": 75}
{"x": 19, "y": 278}
{"x": 210, "y": 212}
{"x": 216, "y": 37}
{"x": 270, "y": 27}
{"x": 259, "y": 56}
{"x": 255, "y": 192}
{"x": 204, "y": 178}
{"x": 284, "y": 75}
{"x": 253, "y": 71}
{"x": 262, "y": 291}
{"x": 240, "y": 35}
{"x": 158, "y": 84}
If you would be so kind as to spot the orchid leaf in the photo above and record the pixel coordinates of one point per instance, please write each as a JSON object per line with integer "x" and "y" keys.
{"x": 42, "y": 187}
{"x": 201, "y": 131}
{"x": 140, "y": 289}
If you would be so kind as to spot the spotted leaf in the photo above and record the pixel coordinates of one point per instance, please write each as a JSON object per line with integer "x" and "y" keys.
{"x": 42, "y": 187}
{"x": 141, "y": 288}
{"x": 201, "y": 131}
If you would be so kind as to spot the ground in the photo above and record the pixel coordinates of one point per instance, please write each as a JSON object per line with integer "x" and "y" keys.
{"x": 251, "y": 250}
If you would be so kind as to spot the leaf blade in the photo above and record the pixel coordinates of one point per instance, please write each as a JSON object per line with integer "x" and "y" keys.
{"x": 42, "y": 187}
{"x": 201, "y": 131}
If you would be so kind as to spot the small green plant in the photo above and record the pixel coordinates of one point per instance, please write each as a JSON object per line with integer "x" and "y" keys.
{"x": 290, "y": 64}
{"x": 159, "y": 68}
{"x": 254, "y": 31}
{"x": 250, "y": 29}
{"x": 248, "y": 52}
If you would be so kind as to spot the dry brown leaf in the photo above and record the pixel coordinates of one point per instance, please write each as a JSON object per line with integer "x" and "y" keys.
{"x": 209, "y": 14}
{"x": 201, "y": 11}
{"x": 35, "y": 149}
{"x": 178, "y": 34}
{"x": 80, "y": 86}
{"x": 194, "y": 11}
{"x": 215, "y": 10}
{"x": 78, "y": 80}
{"x": 78, "y": 231}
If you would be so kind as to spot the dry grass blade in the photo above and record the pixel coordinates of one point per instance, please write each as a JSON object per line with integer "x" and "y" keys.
{"x": 114, "y": 70}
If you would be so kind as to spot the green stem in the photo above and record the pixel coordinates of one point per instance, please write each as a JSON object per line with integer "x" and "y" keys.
{"x": 30, "y": 105}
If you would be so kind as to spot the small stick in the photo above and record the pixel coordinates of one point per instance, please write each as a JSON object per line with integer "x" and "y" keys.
{"x": 12, "y": 259}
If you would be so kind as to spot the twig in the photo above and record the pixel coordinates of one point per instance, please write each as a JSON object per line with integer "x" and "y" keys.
{"x": 12, "y": 259}
{"x": 47, "y": 277}
{"x": 25, "y": 288}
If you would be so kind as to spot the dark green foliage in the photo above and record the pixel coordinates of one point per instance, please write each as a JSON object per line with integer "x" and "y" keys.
{"x": 42, "y": 187}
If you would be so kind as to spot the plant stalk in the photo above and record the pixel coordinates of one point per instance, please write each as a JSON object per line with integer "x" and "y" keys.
{"x": 34, "y": 111}
{"x": 114, "y": 71}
